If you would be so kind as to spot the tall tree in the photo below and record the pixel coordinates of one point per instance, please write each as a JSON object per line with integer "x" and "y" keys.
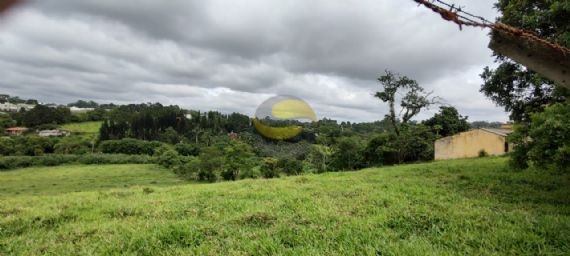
{"x": 519, "y": 90}
{"x": 413, "y": 101}
{"x": 447, "y": 122}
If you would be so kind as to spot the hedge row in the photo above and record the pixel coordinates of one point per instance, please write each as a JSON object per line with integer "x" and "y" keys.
{"x": 13, "y": 162}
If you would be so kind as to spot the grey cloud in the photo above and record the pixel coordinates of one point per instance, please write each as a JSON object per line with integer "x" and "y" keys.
{"x": 231, "y": 55}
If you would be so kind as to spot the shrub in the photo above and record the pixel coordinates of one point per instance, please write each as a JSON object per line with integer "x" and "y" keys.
{"x": 169, "y": 159}
{"x": 188, "y": 169}
{"x": 116, "y": 159}
{"x": 290, "y": 166}
{"x": 72, "y": 145}
{"x": 14, "y": 162}
{"x": 187, "y": 149}
{"x": 211, "y": 163}
{"x": 6, "y": 146}
{"x": 347, "y": 155}
{"x": 269, "y": 168}
{"x": 31, "y": 145}
{"x": 483, "y": 153}
{"x": 251, "y": 173}
{"x": 53, "y": 160}
{"x": 546, "y": 141}
{"x": 319, "y": 158}
{"x": 129, "y": 146}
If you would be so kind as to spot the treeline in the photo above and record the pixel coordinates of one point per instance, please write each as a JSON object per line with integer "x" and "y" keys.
{"x": 4, "y": 98}
{"x": 49, "y": 117}
{"x": 169, "y": 124}
{"x": 211, "y": 146}
{"x": 14, "y": 162}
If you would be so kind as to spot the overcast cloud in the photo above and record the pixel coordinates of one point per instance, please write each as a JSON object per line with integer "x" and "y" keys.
{"x": 231, "y": 55}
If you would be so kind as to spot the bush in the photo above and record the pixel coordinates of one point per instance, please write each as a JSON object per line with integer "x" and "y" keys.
{"x": 129, "y": 147}
{"x": 269, "y": 168}
{"x": 211, "y": 164}
{"x": 187, "y": 149}
{"x": 6, "y": 146}
{"x": 27, "y": 145}
{"x": 169, "y": 159}
{"x": 72, "y": 145}
{"x": 483, "y": 153}
{"x": 290, "y": 166}
{"x": 251, "y": 173}
{"x": 14, "y": 162}
{"x": 189, "y": 168}
{"x": 319, "y": 158}
{"x": 116, "y": 159}
{"x": 546, "y": 141}
{"x": 54, "y": 160}
{"x": 347, "y": 155}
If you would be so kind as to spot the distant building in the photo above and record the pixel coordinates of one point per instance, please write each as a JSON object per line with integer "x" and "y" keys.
{"x": 233, "y": 135}
{"x": 470, "y": 143}
{"x": 507, "y": 126}
{"x": 11, "y": 107}
{"x": 51, "y": 105}
{"x": 16, "y": 131}
{"x": 53, "y": 133}
{"x": 79, "y": 110}
{"x": 4, "y": 97}
{"x": 25, "y": 106}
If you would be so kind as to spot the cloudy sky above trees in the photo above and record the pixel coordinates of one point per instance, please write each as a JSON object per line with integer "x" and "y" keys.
{"x": 231, "y": 55}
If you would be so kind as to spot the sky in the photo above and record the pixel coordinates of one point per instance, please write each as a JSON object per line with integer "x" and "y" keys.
{"x": 231, "y": 55}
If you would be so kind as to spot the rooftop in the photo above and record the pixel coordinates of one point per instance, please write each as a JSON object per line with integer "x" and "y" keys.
{"x": 498, "y": 131}
{"x": 16, "y": 129}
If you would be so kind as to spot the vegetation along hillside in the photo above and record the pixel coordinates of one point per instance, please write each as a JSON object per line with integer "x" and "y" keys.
{"x": 460, "y": 207}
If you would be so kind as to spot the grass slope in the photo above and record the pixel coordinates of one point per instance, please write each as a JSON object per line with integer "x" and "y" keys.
{"x": 73, "y": 178}
{"x": 465, "y": 207}
{"x": 83, "y": 127}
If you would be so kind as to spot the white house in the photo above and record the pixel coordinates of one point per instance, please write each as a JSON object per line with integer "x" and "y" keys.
{"x": 10, "y": 107}
{"x": 50, "y": 133}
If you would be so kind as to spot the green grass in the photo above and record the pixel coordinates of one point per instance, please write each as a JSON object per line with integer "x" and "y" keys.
{"x": 84, "y": 127}
{"x": 464, "y": 207}
{"x": 76, "y": 178}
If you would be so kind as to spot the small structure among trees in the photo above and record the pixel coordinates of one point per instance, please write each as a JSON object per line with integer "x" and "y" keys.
{"x": 16, "y": 131}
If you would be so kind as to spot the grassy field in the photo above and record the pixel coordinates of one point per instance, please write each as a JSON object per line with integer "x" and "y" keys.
{"x": 464, "y": 207}
{"x": 65, "y": 179}
{"x": 84, "y": 127}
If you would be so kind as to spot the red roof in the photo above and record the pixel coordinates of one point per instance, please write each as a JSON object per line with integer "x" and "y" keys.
{"x": 16, "y": 129}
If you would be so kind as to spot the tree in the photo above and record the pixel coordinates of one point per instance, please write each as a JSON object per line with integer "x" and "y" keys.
{"x": 83, "y": 104}
{"x": 546, "y": 142}
{"x": 211, "y": 164}
{"x": 5, "y": 122}
{"x": 519, "y": 90}
{"x": 381, "y": 151}
{"x": 169, "y": 135}
{"x": 290, "y": 166}
{"x": 269, "y": 168}
{"x": 485, "y": 124}
{"x": 41, "y": 114}
{"x": 447, "y": 122}
{"x": 319, "y": 157}
{"x": 347, "y": 155}
{"x": 415, "y": 143}
{"x": 104, "y": 131}
{"x": 413, "y": 101}
{"x": 237, "y": 157}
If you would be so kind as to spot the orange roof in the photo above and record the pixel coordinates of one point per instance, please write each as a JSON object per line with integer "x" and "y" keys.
{"x": 16, "y": 129}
